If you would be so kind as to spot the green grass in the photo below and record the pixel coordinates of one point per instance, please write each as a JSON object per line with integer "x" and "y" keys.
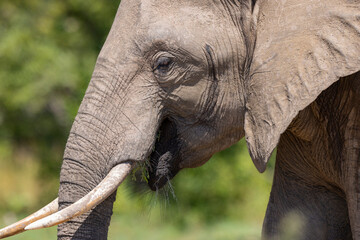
{"x": 132, "y": 228}
{"x": 127, "y": 229}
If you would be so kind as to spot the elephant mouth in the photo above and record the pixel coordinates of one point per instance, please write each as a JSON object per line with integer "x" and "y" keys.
{"x": 164, "y": 160}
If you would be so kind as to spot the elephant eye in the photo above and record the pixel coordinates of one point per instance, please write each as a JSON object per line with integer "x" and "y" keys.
{"x": 163, "y": 64}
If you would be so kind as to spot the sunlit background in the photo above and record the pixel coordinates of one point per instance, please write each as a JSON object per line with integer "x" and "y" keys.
{"x": 48, "y": 49}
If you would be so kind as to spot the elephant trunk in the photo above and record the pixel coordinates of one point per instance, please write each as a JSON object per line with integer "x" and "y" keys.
{"x": 86, "y": 223}
{"x": 85, "y": 165}
{"x": 100, "y": 154}
{"x": 77, "y": 178}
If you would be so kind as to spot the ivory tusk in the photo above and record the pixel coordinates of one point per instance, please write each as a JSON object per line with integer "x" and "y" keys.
{"x": 105, "y": 188}
{"x": 19, "y": 226}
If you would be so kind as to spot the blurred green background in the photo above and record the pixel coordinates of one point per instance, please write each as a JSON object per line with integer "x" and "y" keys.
{"x": 48, "y": 50}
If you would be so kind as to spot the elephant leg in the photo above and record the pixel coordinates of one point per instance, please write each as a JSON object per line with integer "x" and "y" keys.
{"x": 296, "y": 212}
{"x": 301, "y": 206}
{"x": 351, "y": 152}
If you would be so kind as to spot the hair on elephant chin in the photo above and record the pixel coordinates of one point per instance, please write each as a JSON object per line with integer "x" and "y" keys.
{"x": 163, "y": 197}
{"x": 161, "y": 166}
{"x": 165, "y": 158}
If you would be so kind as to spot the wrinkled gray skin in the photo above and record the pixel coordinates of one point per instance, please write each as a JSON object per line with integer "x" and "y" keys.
{"x": 207, "y": 73}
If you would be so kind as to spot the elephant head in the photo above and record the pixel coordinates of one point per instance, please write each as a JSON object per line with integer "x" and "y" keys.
{"x": 177, "y": 81}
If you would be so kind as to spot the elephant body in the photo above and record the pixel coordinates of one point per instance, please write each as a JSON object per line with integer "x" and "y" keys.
{"x": 317, "y": 164}
{"x": 177, "y": 81}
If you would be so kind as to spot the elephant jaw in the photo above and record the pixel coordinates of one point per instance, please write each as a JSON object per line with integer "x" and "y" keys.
{"x": 164, "y": 160}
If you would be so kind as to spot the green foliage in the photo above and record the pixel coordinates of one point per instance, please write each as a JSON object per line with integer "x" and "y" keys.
{"x": 47, "y": 52}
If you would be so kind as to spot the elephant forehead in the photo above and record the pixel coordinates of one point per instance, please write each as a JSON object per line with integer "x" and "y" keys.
{"x": 180, "y": 22}
{"x": 170, "y": 7}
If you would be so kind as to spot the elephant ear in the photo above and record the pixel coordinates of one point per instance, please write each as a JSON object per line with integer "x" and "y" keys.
{"x": 302, "y": 47}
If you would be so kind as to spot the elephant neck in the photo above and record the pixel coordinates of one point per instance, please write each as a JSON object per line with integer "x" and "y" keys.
{"x": 324, "y": 134}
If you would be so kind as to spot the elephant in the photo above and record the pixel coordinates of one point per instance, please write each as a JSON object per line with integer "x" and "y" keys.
{"x": 178, "y": 81}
